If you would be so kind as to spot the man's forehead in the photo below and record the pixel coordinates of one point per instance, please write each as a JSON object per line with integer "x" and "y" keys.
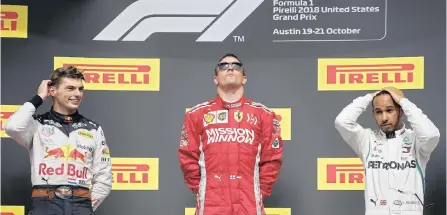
{"x": 229, "y": 59}
{"x": 384, "y": 101}
{"x": 71, "y": 82}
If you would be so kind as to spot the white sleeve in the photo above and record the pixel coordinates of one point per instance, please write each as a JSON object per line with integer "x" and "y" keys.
{"x": 21, "y": 125}
{"x": 427, "y": 134}
{"x": 346, "y": 124}
{"x": 102, "y": 170}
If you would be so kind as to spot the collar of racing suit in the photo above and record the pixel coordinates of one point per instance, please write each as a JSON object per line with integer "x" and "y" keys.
{"x": 392, "y": 134}
{"x": 61, "y": 118}
{"x": 229, "y": 105}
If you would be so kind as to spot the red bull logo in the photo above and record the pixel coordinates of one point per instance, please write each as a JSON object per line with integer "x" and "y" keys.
{"x": 77, "y": 155}
{"x": 54, "y": 153}
{"x": 61, "y": 152}
{"x": 71, "y": 171}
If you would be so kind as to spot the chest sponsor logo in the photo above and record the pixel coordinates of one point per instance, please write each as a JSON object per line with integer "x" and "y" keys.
{"x": 238, "y": 116}
{"x": 215, "y": 117}
{"x": 78, "y": 125}
{"x": 283, "y": 116}
{"x": 268, "y": 211}
{"x": 85, "y": 134}
{"x": 67, "y": 152}
{"x": 51, "y": 122}
{"x": 12, "y": 210}
{"x": 391, "y": 165}
{"x": 370, "y": 73}
{"x": 122, "y": 74}
{"x": 6, "y": 112}
{"x": 47, "y": 130}
{"x": 135, "y": 173}
{"x": 223, "y": 135}
{"x": 63, "y": 169}
{"x": 14, "y": 21}
{"x": 340, "y": 174}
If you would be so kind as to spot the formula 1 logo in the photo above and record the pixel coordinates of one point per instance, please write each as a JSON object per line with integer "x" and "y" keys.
{"x": 216, "y": 19}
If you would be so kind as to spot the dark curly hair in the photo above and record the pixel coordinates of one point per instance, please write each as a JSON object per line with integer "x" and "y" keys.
{"x": 66, "y": 72}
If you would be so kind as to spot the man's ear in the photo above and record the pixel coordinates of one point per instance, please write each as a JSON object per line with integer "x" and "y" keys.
{"x": 245, "y": 80}
{"x": 52, "y": 90}
{"x": 215, "y": 80}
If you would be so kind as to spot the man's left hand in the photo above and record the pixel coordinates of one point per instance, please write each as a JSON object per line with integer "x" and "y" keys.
{"x": 395, "y": 93}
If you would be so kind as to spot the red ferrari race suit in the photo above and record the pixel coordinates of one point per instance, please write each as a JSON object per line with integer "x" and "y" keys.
{"x": 230, "y": 155}
{"x": 64, "y": 150}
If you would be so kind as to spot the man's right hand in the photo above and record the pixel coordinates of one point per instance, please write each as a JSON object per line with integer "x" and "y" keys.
{"x": 43, "y": 90}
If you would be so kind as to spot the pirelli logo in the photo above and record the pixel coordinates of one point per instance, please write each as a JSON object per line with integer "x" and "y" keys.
{"x": 5, "y": 112}
{"x": 340, "y": 174}
{"x": 14, "y": 21}
{"x": 135, "y": 173}
{"x": 268, "y": 211}
{"x": 370, "y": 73}
{"x": 122, "y": 74}
{"x": 12, "y": 210}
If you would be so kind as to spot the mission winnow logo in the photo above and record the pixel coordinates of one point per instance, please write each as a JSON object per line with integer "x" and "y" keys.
{"x": 215, "y": 19}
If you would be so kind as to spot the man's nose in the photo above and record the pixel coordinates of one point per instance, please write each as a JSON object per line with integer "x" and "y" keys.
{"x": 77, "y": 92}
{"x": 385, "y": 118}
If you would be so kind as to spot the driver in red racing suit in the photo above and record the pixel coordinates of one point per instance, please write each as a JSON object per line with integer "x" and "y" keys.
{"x": 230, "y": 148}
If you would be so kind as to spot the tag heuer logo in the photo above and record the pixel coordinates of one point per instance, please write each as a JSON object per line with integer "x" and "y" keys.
{"x": 275, "y": 144}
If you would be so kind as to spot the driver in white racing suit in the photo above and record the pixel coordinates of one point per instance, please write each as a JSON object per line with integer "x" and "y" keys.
{"x": 70, "y": 161}
{"x": 394, "y": 157}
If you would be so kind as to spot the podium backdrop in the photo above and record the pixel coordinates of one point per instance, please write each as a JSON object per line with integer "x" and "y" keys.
{"x": 147, "y": 61}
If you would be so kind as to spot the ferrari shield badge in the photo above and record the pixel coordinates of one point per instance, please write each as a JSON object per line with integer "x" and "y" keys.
{"x": 238, "y": 115}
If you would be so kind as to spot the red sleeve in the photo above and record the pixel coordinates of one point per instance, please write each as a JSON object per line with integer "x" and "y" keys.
{"x": 271, "y": 153}
{"x": 189, "y": 153}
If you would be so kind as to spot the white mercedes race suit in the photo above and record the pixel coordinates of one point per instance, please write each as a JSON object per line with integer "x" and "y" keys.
{"x": 394, "y": 167}
{"x": 74, "y": 153}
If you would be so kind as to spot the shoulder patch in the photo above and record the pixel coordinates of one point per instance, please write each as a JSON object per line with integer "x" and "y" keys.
{"x": 198, "y": 106}
{"x": 90, "y": 123}
{"x": 259, "y": 105}
{"x": 41, "y": 117}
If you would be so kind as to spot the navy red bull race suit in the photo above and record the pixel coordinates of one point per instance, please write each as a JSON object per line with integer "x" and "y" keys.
{"x": 70, "y": 159}
{"x": 230, "y": 155}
